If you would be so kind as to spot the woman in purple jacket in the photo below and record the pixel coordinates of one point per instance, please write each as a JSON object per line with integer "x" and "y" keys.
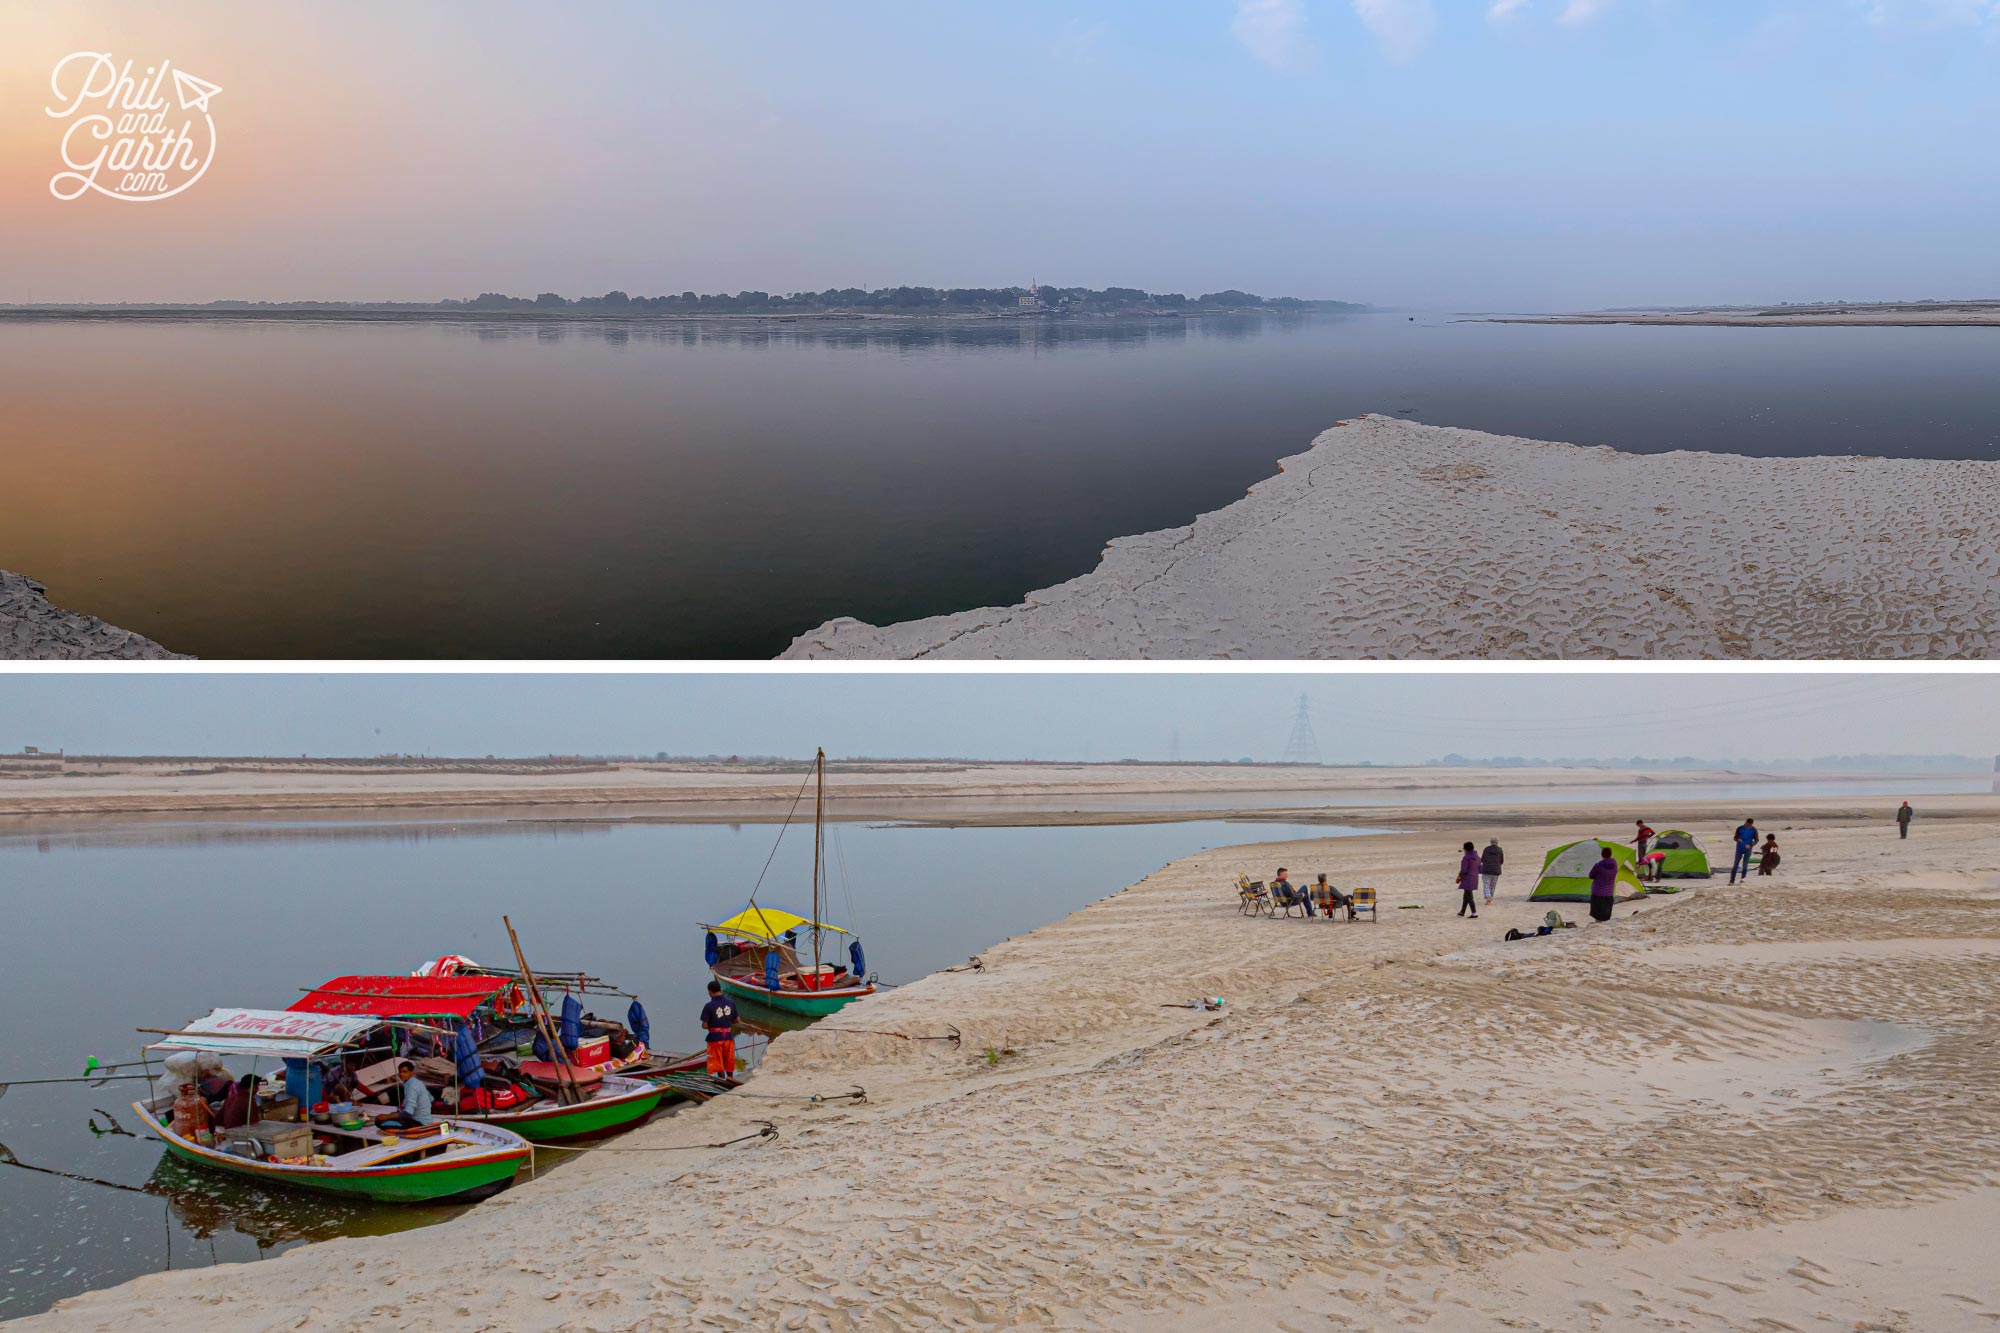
{"x": 1468, "y": 882}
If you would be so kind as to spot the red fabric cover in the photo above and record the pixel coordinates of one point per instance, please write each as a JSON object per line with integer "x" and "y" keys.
{"x": 400, "y": 997}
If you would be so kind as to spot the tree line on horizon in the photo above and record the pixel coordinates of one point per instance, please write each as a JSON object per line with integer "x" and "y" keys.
{"x": 902, "y": 300}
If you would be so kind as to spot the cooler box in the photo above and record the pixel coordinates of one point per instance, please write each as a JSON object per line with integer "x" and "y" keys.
{"x": 591, "y": 1051}
{"x": 273, "y": 1138}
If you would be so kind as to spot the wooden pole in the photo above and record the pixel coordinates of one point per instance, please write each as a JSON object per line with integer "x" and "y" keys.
{"x": 567, "y": 1091}
{"x": 819, "y": 816}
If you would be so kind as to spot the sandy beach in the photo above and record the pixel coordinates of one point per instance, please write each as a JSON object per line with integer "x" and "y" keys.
{"x": 1768, "y": 1106}
{"x": 33, "y": 628}
{"x": 1389, "y": 539}
{"x": 34, "y": 788}
{"x": 1893, "y": 314}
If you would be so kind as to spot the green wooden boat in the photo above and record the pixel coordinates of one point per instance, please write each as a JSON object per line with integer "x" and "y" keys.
{"x": 811, "y": 1004}
{"x": 459, "y": 1159}
{"x": 615, "y": 1104}
{"x": 434, "y": 1163}
{"x": 757, "y": 954}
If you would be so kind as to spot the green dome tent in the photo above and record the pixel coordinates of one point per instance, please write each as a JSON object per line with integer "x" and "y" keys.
{"x": 1566, "y": 872}
{"x": 1684, "y": 857}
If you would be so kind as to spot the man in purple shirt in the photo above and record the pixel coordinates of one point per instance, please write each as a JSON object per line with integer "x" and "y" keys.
{"x": 1603, "y": 886}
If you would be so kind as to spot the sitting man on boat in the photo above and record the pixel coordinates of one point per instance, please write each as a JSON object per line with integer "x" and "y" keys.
{"x": 416, "y": 1104}
{"x": 718, "y": 1021}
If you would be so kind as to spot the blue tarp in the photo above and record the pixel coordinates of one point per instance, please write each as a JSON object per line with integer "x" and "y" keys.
{"x": 466, "y": 1051}
{"x": 858, "y": 959}
{"x": 642, "y": 1030}
{"x": 711, "y": 949}
{"x": 771, "y": 970}
{"x": 571, "y": 1029}
{"x": 541, "y": 1046}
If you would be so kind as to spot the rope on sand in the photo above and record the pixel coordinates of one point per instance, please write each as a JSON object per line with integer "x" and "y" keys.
{"x": 858, "y": 1096}
{"x": 765, "y": 1130}
{"x": 950, "y": 1033}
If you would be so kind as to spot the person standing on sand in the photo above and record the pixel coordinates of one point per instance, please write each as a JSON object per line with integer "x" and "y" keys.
{"x": 1603, "y": 886}
{"x": 1903, "y": 817}
{"x": 1746, "y": 842}
{"x": 1645, "y": 836}
{"x": 1490, "y": 862}
{"x": 718, "y": 1021}
{"x": 1468, "y": 881}
{"x": 1768, "y": 860}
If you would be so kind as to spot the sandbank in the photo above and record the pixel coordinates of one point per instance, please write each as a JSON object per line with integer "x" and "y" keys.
{"x": 1406, "y": 1122}
{"x": 1390, "y": 539}
{"x": 1890, "y": 314}
{"x": 41, "y": 787}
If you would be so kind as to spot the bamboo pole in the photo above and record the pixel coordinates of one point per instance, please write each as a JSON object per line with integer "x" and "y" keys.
{"x": 565, "y": 1076}
{"x": 819, "y": 826}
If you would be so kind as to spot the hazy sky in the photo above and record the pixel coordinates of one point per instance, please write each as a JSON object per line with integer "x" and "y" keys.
{"x": 1478, "y": 154}
{"x": 1384, "y": 719}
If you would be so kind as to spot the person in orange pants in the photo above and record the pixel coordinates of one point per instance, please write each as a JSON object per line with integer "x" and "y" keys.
{"x": 718, "y": 1020}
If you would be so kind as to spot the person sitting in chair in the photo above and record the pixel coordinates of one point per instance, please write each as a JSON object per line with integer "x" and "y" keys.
{"x": 1331, "y": 899}
{"x": 1287, "y": 894}
{"x": 415, "y": 1109}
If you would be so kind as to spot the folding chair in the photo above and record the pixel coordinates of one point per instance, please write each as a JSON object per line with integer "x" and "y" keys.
{"x": 1364, "y": 901}
{"x": 1286, "y": 902}
{"x": 1251, "y": 898}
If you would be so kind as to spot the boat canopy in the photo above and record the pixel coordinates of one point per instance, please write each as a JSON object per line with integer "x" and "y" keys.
{"x": 265, "y": 1032}
{"x": 400, "y": 997}
{"x": 766, "y": 923}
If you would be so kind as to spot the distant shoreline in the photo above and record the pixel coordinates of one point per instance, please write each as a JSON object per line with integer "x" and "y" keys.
{"x": 1887, "y": 314}
{"x": 446, "y": 314}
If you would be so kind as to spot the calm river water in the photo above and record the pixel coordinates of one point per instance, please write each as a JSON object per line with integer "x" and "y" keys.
{"x": 499, "y": 490}
{"x": 152, "y": 927}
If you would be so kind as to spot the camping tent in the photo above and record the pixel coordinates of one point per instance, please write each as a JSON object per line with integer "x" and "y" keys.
{"x": 1684, "y": 857}
{"x": 1566, "y": 872}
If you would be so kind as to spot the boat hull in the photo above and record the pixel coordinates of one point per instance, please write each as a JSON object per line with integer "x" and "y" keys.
{"x": 814, "y": 1004}
{"x": 416, "y": 1182}
{"x": 591, "y": 1119}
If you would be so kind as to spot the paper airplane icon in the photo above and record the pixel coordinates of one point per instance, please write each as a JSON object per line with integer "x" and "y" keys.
{"x": 193, "y": 92}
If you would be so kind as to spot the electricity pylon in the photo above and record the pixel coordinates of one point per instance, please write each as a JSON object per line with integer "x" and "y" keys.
{"x": 1303, "y": 746}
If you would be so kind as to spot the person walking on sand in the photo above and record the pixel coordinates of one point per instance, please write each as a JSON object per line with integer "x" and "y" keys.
{"x": 1490, "y": 862}
{"x": 1603, "y": 885}
{"x": 718, "y": 1022}
{"x": 1903, "y": 817}
{"x": 1746, "y": 842}
{"x": 1645, "y": 836}
{"x": 1767, "y": 860}
{"x": 1468, "y": 881}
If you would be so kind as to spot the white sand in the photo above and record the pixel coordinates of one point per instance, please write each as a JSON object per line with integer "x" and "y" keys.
{"x": 1895, "y": 314}
{"x": 1390, "y": 539}
{"x": 31, "y": 627}
{"x": 1400, "y": 1124}
{"x": 914, "y": 789}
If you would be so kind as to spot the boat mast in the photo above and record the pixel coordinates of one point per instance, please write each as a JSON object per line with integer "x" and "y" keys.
{"x": 819, "y": 815}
